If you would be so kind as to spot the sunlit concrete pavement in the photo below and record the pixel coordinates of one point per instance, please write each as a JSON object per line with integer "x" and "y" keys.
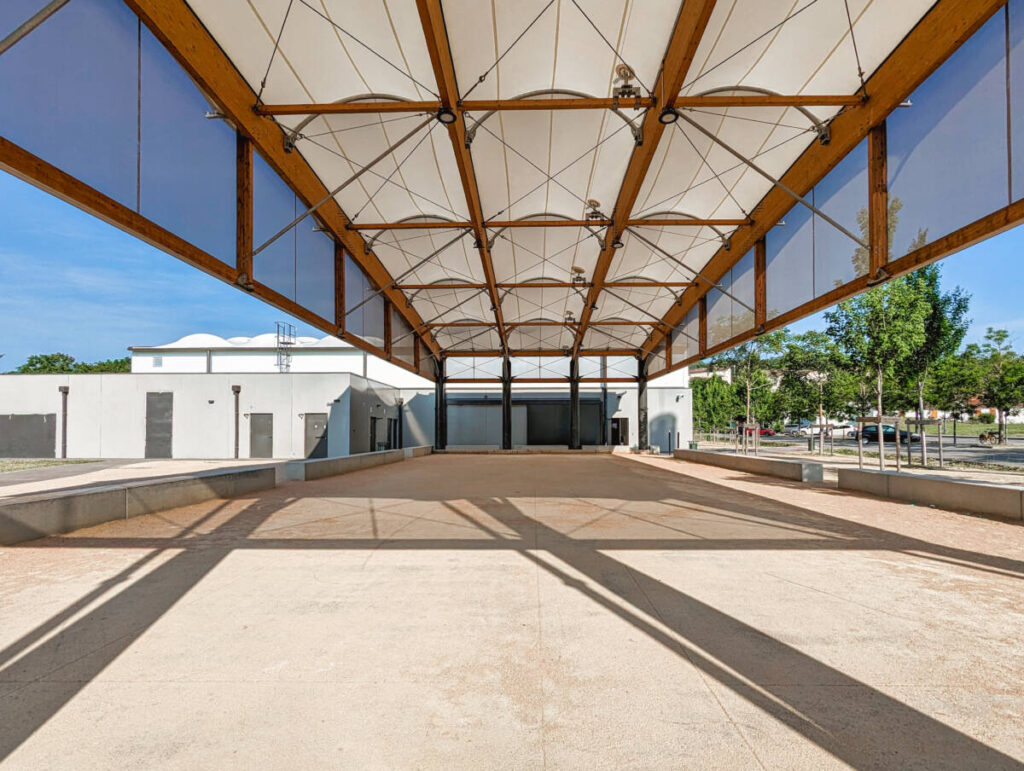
{"x": 43, "y": 479}
{"x": 517, "y": 612}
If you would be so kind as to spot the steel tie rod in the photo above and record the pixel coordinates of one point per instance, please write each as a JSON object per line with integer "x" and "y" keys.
{"x": 778, "y": 183}
{"x": 398, "y": 278}
{"x": 342, "y": 186}
{"x": 696, "y": 273}
{"x": 30, "y": 24}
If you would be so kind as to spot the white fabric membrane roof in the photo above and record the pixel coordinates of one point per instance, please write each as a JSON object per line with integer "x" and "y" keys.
{"x": 546, "y": 163}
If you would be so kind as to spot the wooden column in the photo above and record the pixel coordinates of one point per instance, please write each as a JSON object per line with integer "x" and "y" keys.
{"x": 760, "y": 284}
{"x": 506, "y": 403}
{"x": 243, "y": 215}
{"x": 702, "y": 334}
{"x": 387, "y": 328}
{"x": 643, "y": 439}
{"x": 878, "y": 201}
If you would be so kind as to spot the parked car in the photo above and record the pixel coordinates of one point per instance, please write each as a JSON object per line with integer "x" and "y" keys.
{"x": 796, "y": 429}
{"x": 870, "y": 434}
{"x": 763, "y": 431}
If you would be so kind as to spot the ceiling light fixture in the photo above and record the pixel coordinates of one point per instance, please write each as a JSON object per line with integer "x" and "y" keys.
{"x": 617, "y": 243}
{"x": 446, "y": 115}
{"x": 668, "y": 116}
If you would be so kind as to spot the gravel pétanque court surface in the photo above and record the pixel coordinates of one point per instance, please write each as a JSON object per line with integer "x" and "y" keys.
{"x": 523, "y": 611}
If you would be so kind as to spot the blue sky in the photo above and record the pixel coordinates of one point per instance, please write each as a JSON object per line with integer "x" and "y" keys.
{"x": 74, "y": 284}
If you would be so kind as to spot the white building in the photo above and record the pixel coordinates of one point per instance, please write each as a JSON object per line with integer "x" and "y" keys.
{"x": 207, "y": 397}
{"x": 268, "y": 353}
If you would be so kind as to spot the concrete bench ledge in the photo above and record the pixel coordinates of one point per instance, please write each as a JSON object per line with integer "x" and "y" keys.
{"x": 1004, "y": 501}
{"x": 35, "y": 516}
{"x": 555, "y": 449}
{"x": 799, "y": 470}
{"x": 308, "y": 470}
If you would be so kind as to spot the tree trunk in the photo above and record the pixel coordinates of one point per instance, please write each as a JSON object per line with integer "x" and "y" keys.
{"x": 881, "y": 433}
{"x": 955, "y": 416}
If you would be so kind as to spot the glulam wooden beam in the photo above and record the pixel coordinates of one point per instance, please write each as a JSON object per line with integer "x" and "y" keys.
{"x": 990, "y": 225}
{"x": 686, "y": 36}
{"x": 176, "y": 26}
{"x": 243, "y": 206}
{"x": 432, "y": 20}
{"x": 716, "y": 101}
{"x": 878, "y": 200}
{"x": 668, "y": 222}
{"x": 541, "y": 352}
{"x": 943, "y": 29}
{"x": 549, "y": 285}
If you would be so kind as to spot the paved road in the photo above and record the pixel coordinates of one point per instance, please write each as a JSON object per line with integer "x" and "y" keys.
{"x": 965, "y": 450}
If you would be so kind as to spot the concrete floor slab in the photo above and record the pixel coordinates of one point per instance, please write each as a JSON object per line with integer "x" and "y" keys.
{"x": 519, "y": 611}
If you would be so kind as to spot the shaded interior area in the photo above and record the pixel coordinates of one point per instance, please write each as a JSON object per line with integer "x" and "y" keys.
{"x": 532, "y": 609}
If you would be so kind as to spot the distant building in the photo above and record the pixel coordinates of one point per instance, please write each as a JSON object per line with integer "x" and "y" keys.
{"x": 205, "y": 353}
{"x": 283, "y": 396}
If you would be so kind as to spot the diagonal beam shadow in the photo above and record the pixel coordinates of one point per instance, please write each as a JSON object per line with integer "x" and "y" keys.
{"x": 119, "y": 621}
{"x": 751, "y": 663}
{"x": 107, "y": 585}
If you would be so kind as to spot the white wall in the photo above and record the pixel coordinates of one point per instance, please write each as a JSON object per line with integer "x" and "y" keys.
{"x": 169, "y": 362}
{"x": 107, "y": 413}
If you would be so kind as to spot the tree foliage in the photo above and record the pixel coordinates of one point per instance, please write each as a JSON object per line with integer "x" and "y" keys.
{"x": 945, "y": 324}
{"x": 63, "y": 363}
{"x": 714, "y": 403}
{"x": 878, "y": 331}
{"x": 1002, "y": 376}
{"x": 750, "y": 364}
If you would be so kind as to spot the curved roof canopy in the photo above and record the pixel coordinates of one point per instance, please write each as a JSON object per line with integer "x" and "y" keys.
{"x": 497, "y": 165}
{"x": 550, "y": 177}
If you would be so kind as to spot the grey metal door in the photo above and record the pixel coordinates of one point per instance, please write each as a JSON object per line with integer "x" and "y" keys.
{"x": 159, "y": 416}
{"x": 28, "y": 436}
{"x": 261, "y": 435}
{"x": 316, "y": 434}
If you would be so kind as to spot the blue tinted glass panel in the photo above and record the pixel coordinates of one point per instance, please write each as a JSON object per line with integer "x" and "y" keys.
{"x": 366, "y": 320}
{"x": 948, "y": 151}
{"x": 69, "y": 92}
{"x": 403, "y": 341}
{"x": 843, "y": 196}
{"x": 789, "y": 273}
{"x": 686, "y": 336}
{"x": 719, "y": 313}
{"x": 743, "y": 294}
{"x": 187, "y": 162}
{"x": 14, "y": 13}
{"x": 1015, "y": 9}
{"x": 314, "y": 273}
{"x": 274, "y": 206}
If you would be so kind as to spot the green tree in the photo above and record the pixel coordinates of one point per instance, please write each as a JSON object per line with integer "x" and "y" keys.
{"x": 1003, "y": 376}
{"x": 879, "y": 330}
{"x": 47, "y": 364}
{"x": 749, "y": 364}
{"x": 945, "y": 325}
{"x": 954, "y": 381}
{"x": 63, "y": 363}
{"x": 815, "y": 379}
{"x": 714, "y": 403}
{"x": 107, "y": 365}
